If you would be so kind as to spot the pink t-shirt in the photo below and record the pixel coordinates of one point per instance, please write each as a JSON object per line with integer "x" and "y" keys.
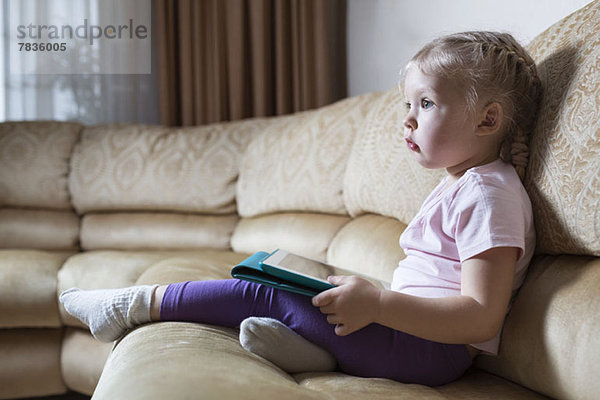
{"x": 487, "y": 207}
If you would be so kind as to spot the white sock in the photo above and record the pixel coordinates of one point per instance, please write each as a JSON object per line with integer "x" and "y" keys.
{"x": 276, "y": 342}
{"x": 109, "y": 313}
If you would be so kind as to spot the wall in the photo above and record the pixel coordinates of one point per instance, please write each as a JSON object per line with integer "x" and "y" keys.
{"x": 384, "y": 34}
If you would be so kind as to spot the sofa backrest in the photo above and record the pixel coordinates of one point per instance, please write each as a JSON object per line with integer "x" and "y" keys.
{"x": 35, "y": 204}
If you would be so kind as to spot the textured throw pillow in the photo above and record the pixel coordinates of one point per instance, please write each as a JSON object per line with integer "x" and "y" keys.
{"x": 34, "y": 163}
{"x": 298, "y": 164}
{"x": 138, "y": 167}
{"x": 563, "y": 176}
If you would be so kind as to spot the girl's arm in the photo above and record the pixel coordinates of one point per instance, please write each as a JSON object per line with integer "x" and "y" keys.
{"x": 474, "y": 316}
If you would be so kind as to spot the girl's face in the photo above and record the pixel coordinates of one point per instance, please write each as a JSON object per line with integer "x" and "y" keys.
{"x": 439, "y": 128}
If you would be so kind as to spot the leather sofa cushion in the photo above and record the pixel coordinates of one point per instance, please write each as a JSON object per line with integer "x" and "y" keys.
{"x": 28, "y": 288}
{"x": 104, "y": 270}
{"x": 299, "y": 163}
{"x": 201, "y": 265}
{"x": 156, "y": 231}
{"x": 210, "y": 264}
{"x": 382, "y": 176}
{"x": 38, "y": 229}
{"x": 194, "y": 361}
{"x": 133, "y": 167}
{"x": 30, "y": 365}
{"x": 114, "y": 269}
{"x": 305, "y": 234}
{"x": 133, "y": 369}
{"x": 82, "y": 359}
{"x": 34, "y": 163}
{"x": 475, "y": 385}
{"x": 550, "y": 341}
{"x": 368, "y": 245}
{"x": 563, "y": 178}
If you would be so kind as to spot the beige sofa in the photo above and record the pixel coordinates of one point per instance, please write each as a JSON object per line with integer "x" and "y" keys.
{"x": 117, "y": 205}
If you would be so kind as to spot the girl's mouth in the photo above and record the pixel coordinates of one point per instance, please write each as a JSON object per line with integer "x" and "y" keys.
{"x": 412, "y": 145}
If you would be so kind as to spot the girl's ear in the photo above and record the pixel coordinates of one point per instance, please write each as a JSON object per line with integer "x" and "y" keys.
{"x": 491, "y": 119}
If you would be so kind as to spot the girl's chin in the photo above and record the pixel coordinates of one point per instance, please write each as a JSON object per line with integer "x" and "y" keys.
{"x": 426, "y": 163}
{"x": 421, "y": 159}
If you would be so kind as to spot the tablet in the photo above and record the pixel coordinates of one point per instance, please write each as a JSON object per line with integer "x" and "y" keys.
{"x": 288, "y": 266}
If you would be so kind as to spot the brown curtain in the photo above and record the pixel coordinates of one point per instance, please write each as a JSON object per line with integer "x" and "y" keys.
{"x": 225, "y": 60}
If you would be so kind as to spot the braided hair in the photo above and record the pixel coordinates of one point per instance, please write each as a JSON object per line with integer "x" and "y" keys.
{"x": 491, "y": 66}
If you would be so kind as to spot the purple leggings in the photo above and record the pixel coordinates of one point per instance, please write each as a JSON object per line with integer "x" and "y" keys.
{"x": 374, "y": 351}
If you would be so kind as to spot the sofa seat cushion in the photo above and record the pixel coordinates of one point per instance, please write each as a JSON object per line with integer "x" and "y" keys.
{"x": 28, "y": 288}
{"x": 186, "y": 360}
{"x": 217, "y": 265}
{"x": 129, "y": 231}
{"x": 38, "y": 229}
{"x": 82, "y": 359}
{"x": 114, "y": 269}
{"x": 474, "y": 385}
{"x": 30, "y": 363}
{"x": 158, "y": 360}
{"x": 199, "y": 265}
{"x": 306, "y": 234}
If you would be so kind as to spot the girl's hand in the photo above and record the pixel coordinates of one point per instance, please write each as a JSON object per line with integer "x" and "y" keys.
{"x": 352, "y": 305}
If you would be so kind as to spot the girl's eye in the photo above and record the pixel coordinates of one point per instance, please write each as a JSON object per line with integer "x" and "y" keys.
{"x": 426, "y": 104}
{"x": 407, "y": 105}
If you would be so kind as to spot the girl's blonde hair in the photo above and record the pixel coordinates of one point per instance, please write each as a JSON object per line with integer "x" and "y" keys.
{"x": 493, "y": 67}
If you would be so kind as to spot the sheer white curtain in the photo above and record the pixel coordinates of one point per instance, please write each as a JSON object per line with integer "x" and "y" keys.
{"x": 87, "y": 98}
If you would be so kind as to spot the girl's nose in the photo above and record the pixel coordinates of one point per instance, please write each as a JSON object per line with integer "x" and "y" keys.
{"x": 410, "y": 123}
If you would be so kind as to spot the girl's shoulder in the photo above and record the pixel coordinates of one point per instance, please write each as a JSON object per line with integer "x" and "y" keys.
{"x": 492, "y": 185}
{"x": 497, "y": 176}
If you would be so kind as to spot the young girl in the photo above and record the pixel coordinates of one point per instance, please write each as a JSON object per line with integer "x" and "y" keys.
{"x": 472, "y": 99}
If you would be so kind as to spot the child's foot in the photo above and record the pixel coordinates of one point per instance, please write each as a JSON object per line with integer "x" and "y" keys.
{"x": 109, "y": 313}
{"x": 274, "y": 341}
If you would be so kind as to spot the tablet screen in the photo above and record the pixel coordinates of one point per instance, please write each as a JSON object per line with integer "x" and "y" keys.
{"x": 299, "y": 265}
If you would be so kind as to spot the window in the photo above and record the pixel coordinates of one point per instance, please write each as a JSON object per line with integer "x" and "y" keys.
{"x": 90, "y": 98}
